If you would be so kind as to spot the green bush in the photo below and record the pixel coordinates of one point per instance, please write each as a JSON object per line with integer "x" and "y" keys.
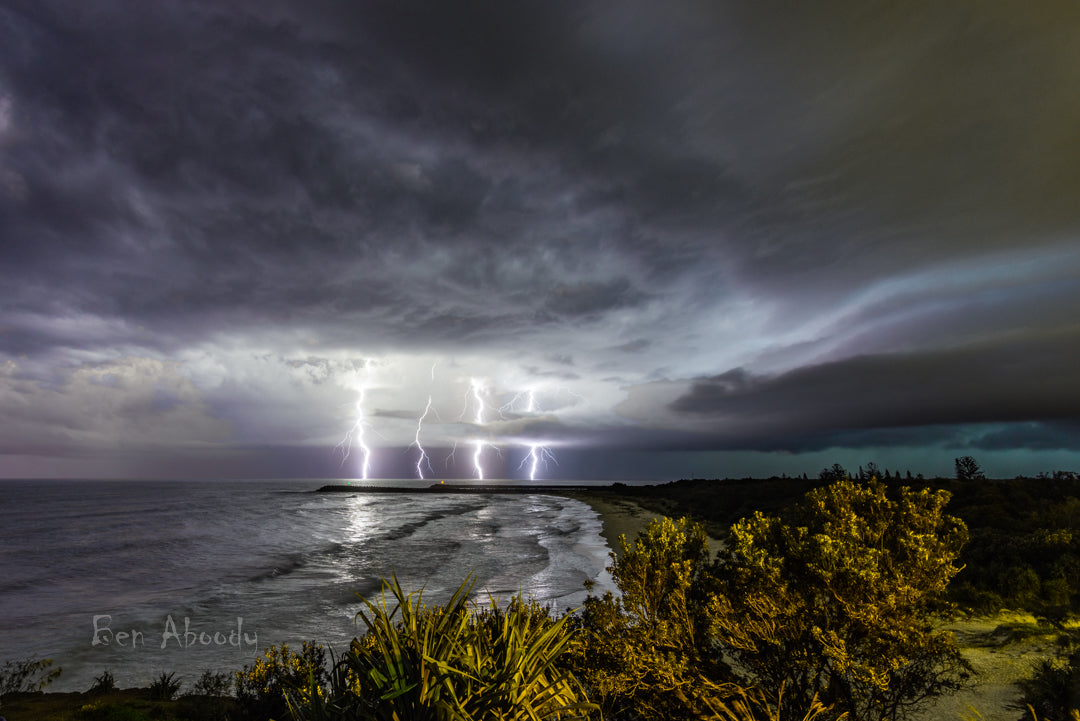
{"x": 829, "y": 603}
{"x": 646, "y": 654}
{"x": 1052, "y": 693}
{"x": 261, "y": 687}
{"x": 103, "y": 684}
{"x": 165, "y": 687}
{"x": 26, "y": 676}
{"x": 454, "y": 661}
{"x": 208, "y": 699}
{"x": 833, "y": 599}
{"x": 213, "y": 684}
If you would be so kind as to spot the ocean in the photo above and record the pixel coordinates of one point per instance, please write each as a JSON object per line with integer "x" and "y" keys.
{"x": 143, "y": 577}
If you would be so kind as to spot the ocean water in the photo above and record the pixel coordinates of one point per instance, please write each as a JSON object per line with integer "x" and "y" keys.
{"x": 138, "y": 578}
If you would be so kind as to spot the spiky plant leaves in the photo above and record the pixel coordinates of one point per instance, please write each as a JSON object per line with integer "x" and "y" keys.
{"x": 754, "y": 704}
{"x": 453, "y": 662}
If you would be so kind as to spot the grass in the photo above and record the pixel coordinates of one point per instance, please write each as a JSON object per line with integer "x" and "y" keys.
{"x": 133, "y": 704}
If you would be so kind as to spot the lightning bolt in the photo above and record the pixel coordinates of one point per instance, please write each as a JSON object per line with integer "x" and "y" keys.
{"x": 355, "y": 436}
{"x": 476, "y": 388}
{"x": 423, "y": 459}
{"x": 476, "y": 460}
{"x": 509, "y": 405}
{"x": 475, "y": 395}
{"x": 538, "y": 453}
{"x": 452, "y": 455}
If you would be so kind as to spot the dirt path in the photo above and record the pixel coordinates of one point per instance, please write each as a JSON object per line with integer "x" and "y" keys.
{"x": 1003, "y": 650}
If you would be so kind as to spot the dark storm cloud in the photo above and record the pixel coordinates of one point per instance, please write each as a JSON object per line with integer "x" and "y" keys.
{"x": 228, "y": 159}
{"x": 839, "y": 403}
{"x": 792, "y": 440}
{"x": 1040, "y": 436}
{"x": 842, "y": 200}
{"x": 590, "y": 298}
{"x": 227, "y": 163}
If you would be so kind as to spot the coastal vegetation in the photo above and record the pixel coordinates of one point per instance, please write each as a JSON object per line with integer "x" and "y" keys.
{"x": 1023, "y": 550}
{"x": 829, "y": 603}
{"x": 457, "y": 660}
{"x": 26, "y": 676}
{"x": 825, "y": 602}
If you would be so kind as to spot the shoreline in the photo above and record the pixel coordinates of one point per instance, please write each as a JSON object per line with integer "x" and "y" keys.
{"x": 625, "y": 517}
{"x": 618, "y": 517}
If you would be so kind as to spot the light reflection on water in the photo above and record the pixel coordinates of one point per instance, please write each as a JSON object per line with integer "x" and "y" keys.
{"x": 289, "y": 564}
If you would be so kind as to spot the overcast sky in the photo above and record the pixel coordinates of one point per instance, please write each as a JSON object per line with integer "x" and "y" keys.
{"x": 659, "y": 239}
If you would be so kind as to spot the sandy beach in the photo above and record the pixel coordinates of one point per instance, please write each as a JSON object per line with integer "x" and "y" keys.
{"x": 619, "y": 517}
{"x": 622, "y": 517}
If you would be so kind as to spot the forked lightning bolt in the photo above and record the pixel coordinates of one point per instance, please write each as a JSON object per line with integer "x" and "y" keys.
{"x": 538, "y": 453}
{"x": 423, "y": 459}
{"x": 355, "y": 436}
{"x": 477, "y": 388}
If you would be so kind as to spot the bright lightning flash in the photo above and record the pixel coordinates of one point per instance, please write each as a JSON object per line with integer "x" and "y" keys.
{"x": 355, "y": 437}
{"x": 537, "y": 453}
{"x": 477, "y": 388}
{"x": 423, "y": 459}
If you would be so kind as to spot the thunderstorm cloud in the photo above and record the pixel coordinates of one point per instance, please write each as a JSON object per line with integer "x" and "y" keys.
{"x": 661, "y": 239}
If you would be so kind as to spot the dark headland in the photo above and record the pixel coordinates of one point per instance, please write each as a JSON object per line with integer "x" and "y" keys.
{"x": 454, "y": 488}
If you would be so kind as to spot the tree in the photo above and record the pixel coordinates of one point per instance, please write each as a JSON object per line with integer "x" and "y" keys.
{"x": 835, "y": 472}
{"x": 647, "y": 653}
{"x": 967, "y": 469}
{"x": 832, "y": 599}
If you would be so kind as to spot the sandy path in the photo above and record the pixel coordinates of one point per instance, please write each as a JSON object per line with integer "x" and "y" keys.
{"x": 1003, "y": 650}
